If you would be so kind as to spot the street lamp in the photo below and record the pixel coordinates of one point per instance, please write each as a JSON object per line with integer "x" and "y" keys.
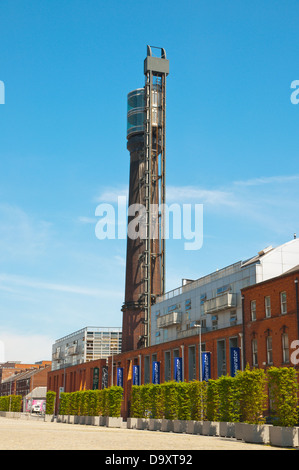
{"x": 112, "y": 348}
{"x": 198, "y": 325}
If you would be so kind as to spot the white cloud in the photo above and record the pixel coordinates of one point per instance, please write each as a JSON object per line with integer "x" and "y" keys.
{"x": 27, "y": 348}
{"x": 121, "y": 260}
{"x": 7, "y": 281}
{"x": 260, "y": 199}
{"x": 268, "y": 180}
{"x": 87, "y": 220}
{"x": 111, "y": 194}
{"x": 185, "y": 194}
{"x": 21, "y": 235}
{"x": 176, "y": 194}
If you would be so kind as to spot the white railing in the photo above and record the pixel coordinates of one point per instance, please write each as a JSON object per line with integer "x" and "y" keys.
{"x": 221, "y": 302}
{"x": 169, "y": 319}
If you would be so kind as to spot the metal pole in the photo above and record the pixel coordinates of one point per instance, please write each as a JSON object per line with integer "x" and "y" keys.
{"x": 139, "y": 369}
{"x": 297, "y": 305}
{"x": 112, "y": 368}
{"x": 243, "y": 333}
{"x": 10, "y": 396}
{"x": 200, "y": 354}
{"x": 241, "y": 348}
{"x": 183, "y": 360}
{"x": 200, "y": 371}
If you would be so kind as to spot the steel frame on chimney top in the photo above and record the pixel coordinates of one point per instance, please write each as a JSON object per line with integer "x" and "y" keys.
{"x": 154, "y": 68}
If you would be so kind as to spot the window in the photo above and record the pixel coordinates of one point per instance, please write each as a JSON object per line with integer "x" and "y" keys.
{"x": 191, "y": 363}
{"x": 146, "y": 369}
{"x": 269, "y": 350}
{"x": 203, "y": 298}
{"x": 223, "y": 289}
{"x": 283, "y": 303}
{"x": 233, "y": 318}
{"x": 165, "y": 334}
{"x": 268, "y": 306}
{"x": 285, "y": 348}
{"x": 173, "y": 308}
{"x": 214, "y": 322}
{"x": 253, "y": 310}
{"x": 254, "y": 352}
{"x": 167, "y": 362}
{"x": 221, "y": 358}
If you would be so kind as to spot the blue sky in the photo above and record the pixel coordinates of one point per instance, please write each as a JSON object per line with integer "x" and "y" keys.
{"x": 232, "y": 145}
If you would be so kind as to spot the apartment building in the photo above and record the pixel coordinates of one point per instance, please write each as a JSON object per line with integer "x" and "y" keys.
{"x": 87, "y": 344}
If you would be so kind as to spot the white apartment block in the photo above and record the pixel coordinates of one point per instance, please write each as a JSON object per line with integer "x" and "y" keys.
{"x": 86, "y": 345}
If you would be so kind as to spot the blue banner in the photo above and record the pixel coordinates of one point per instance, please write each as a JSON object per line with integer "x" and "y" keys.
{"x": 95, "y": 381}
{"x": 178, "y": 364}
{"x": 156, "y": 372}
{"x": 120, "y": 377}
{"x": 206, "y": 365}
{"x": 234, "y": 361}
{"x": 136, "y": 378}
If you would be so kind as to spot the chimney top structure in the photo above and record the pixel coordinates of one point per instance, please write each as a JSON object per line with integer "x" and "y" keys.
{"x": 145, "y": 265}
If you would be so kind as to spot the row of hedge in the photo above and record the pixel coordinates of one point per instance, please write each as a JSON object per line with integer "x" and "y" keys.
{"x": 106, "y": 402}
{"x": 11, "y": 403}
{"x": 243, "y": 398}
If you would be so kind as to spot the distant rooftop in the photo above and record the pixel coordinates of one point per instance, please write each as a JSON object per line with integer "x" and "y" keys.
{"x": 189, "y": 284}
{"x": 98, "y": 329}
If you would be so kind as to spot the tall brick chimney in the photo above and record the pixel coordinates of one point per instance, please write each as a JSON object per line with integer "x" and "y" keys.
{"x": 145, "y": 263}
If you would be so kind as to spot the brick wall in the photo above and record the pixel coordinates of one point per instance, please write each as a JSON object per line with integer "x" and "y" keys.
{"x": 184, "y": 348}
{"x": 276, "y": 326}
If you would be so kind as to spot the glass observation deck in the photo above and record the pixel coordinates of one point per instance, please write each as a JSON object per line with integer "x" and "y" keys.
{"x": 136, "y": 111}
{"x": 136, "y": 114}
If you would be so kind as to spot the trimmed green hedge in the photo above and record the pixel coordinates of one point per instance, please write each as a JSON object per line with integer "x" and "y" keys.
{"x": 243, "y": 398}
{"x": 11, "y": 403}
{"x": 283, "y": 391}
{"x": 50, "y": 402}
{"x": 170, "y": 400}
{"x": 106, "y": 402}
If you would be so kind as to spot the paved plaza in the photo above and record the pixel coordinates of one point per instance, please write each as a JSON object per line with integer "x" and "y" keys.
{"x": 17, "y": 434}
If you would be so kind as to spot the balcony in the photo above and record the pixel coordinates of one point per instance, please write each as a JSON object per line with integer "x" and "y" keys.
{"x": 207, "y": 329}
{"x": 56, "y": 356}
{"x": 221, "y": 302}
{"x": 72, "y": 350}
{"x": 173, "y": 318}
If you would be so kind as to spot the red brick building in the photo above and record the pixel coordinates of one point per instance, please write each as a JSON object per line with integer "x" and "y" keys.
{"x": 265, "y": 338}
{"x": 271, "y": 314}
{"x": 165, "y": 353}
{"x": 86, "y": 376}
{"x": 24, "y": 382}
{"x": 8, "y": 369}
